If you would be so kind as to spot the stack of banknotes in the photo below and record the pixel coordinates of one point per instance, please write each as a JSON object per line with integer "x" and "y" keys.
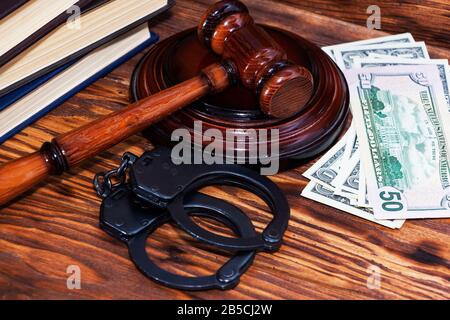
{"x": 393, "y": 163}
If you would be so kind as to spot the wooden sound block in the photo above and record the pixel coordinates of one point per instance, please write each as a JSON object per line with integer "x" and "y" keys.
{"x": 302, "y": 136}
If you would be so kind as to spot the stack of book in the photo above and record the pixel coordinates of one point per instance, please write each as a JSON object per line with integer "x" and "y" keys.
{"x": 51, "y": 49}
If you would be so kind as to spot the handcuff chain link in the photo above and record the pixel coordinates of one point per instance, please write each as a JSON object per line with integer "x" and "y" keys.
{"x": 102, "y": 180}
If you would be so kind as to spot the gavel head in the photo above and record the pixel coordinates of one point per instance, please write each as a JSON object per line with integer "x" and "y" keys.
{"x": 283, "y": 88}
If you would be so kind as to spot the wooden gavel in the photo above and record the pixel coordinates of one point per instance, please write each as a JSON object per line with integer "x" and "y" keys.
{"x": 249, "y": 55}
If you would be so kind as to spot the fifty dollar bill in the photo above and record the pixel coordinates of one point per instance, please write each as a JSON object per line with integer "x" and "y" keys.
{"x": 322, "y": 194}
{"x": 401, "y": 119}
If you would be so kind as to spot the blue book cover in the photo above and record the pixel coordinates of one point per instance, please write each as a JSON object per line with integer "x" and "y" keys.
{"x": 23, "y": 91}
{"x": 16, "y": 95}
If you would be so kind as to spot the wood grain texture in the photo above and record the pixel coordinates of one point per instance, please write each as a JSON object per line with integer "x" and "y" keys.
{"x": 304, "y": 135}
{"x": 21, "y": 174}
{"x": 89, "y": 140}
{"x": 254, "y": 52}
{"x": 325, "y": 254}
{"x": 287, "y": 92}
{"x": 428, "y": 20}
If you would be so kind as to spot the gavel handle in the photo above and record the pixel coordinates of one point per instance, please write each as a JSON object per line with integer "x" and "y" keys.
{"x": 70, "y": 149}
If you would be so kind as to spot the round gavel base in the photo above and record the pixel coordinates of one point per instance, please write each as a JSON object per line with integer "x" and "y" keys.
{"x": 302, "y": 136}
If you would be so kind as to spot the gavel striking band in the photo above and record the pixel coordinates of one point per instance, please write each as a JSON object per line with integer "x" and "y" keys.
{"x": 249, "y": 54}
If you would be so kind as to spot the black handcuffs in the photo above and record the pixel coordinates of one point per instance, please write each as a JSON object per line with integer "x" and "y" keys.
{"x": 166, "y": 185}
{"x": 124, "y": 218}
{"x": 159, "y": 191}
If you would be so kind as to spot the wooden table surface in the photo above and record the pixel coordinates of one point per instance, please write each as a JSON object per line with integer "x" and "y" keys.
{"x": 326, "y": 254}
